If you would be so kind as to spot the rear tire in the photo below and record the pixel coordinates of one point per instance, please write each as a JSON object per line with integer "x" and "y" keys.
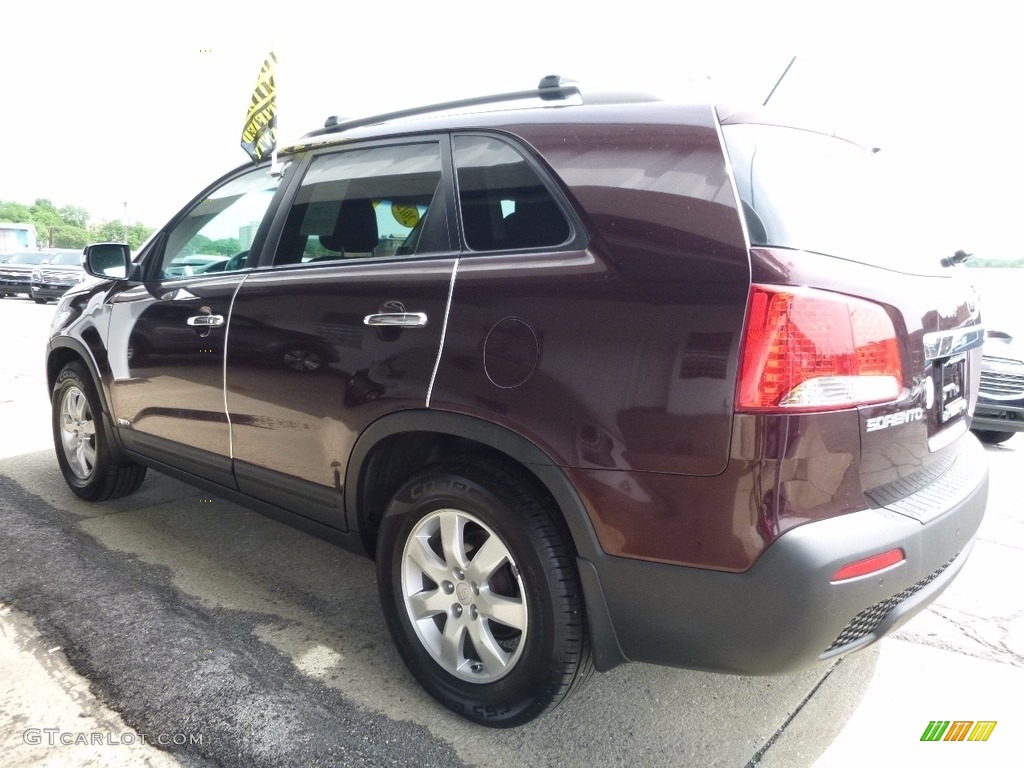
{"x": 88, "y": 460}
{"x": 481, "y": 595}
{"x": 993, "y": 438}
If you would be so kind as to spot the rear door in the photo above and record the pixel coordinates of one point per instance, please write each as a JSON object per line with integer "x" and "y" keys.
{"x": 343, "y": 325}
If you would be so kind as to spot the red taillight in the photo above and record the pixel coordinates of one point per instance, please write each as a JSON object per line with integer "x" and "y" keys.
{"x": 869, "y": 565}
{"x": 806, "y": 349}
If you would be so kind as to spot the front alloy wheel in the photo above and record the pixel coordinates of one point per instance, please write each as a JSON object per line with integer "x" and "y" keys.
{"x": 78, "y": 433}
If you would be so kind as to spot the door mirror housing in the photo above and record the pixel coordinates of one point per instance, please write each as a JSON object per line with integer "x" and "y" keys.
{"x": 111, "y": 261}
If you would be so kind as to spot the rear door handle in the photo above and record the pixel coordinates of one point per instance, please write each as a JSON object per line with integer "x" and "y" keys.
{"x": 396, "y": 320}
{"x": 205, "y": 321}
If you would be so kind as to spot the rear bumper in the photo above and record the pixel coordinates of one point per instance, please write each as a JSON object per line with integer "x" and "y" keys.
{"x": 784, "y": 613}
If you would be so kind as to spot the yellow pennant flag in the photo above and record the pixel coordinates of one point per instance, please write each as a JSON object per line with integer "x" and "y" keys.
{"x": 259, "y": 135}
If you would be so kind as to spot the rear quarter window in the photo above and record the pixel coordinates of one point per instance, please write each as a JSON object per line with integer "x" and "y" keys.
{"x": 504, "y": 203}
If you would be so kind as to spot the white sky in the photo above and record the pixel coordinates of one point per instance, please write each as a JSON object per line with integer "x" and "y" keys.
{"x": 108, "y": 102}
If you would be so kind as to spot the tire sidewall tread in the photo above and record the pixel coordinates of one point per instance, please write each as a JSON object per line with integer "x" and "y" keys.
{"x": 112, "y": 477}
{"x": 556, "y": 658}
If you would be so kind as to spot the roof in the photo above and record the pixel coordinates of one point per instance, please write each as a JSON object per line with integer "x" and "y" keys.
{"x": 553, "y": 95}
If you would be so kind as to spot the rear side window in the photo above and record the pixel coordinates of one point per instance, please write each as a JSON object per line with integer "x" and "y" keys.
{"x": 806, "y": 190}
{"x": 365, "y": 203}
{"x": 504, "y": 203}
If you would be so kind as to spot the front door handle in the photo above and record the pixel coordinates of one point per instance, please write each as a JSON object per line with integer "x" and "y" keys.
{"x": 205, "y": 321}
{"x": 396, "y": 320}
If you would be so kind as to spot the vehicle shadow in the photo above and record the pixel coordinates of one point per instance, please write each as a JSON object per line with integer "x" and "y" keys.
{"x": 317, "y": 606}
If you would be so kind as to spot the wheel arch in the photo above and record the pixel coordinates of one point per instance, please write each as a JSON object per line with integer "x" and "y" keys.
{"x": 64, "y": 350}
{"x": 391, "y": 449}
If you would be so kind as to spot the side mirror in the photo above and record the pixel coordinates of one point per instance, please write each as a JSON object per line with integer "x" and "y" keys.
{"x": 108, "y": 260}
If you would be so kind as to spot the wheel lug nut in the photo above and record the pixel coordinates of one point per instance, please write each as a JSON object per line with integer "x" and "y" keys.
{"x": 448, "y": 587}
{"x": 476, "y": 588}
{"x": 473, "y": 612}
{"x": 459, "y": 574}
{"x": 457, "y": 610}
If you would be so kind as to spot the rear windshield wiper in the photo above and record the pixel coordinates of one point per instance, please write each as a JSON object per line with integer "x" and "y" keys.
{"x": 957, "y": 258}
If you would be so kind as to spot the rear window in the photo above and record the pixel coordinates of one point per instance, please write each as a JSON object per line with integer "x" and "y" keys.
{"x": 813, "y": 192}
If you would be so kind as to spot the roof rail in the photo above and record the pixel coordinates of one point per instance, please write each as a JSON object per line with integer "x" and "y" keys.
{"x": 550, "y": 88}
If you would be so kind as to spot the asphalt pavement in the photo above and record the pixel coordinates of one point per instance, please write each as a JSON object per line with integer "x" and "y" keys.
{"x": 174, "y": 628}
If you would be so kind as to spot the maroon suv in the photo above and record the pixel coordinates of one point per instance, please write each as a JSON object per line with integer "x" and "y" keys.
{"x": 593, "y": 381}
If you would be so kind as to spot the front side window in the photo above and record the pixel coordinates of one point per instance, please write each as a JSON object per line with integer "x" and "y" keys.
{"x": 503, "y": 201}
{"x": 365, "y": 203}
{"x": 216, "y": 234}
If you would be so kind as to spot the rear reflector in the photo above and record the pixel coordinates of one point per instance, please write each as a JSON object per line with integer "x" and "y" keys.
{"x": 869, "y": 565}
{"x": 811, "y": 350}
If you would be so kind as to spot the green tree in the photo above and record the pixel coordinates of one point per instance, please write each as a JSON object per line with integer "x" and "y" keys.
{"x": 68, "y": 226}
{"x": 138, "y": 234}
{"x": 114, "y": 232}
{"x": 227, "y": 246}
{"x": 44, "y": 215}
{"x": 69, "y": 236}
{"x": 976, "y": 262}
{"x": 108, "y": 232}
{"x": 75, "y": 217}
{"x": 12, "y": 211}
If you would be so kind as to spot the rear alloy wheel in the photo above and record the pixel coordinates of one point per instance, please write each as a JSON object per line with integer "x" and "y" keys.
{"x": 481, "y": 596}
{"x": 86, "y": 457}
{"x": 464, "y": 596}
{"x": 993, "y": 438}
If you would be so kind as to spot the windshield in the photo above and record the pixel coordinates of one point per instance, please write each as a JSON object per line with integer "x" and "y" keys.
{"x": 29, "y": 257}
{"x": 806, "y": 190}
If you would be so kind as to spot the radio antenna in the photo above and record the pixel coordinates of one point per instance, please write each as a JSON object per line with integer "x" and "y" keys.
{"x": 772, "y": 92}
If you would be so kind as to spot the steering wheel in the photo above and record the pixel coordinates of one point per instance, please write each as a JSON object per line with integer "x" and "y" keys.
{"x": 235, "y": 262}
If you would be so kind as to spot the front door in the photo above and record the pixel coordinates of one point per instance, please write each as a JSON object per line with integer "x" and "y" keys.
{"x": 167, "y": 337}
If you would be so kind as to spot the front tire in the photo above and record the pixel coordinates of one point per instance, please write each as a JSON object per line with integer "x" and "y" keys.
{"x": 87, "y": 458}
{"x": 481, "y": 595}
{"x": 993, "y": 438}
